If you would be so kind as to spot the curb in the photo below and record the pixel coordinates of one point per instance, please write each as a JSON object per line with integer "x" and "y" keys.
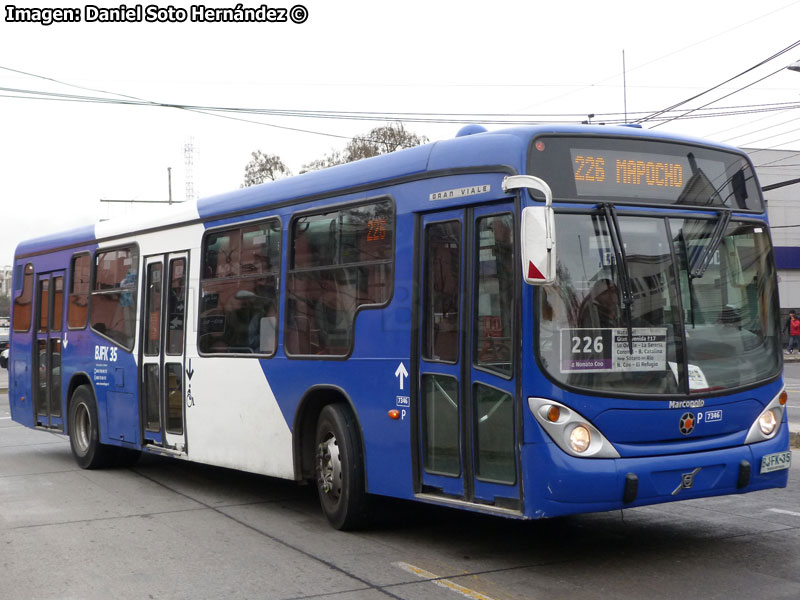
{"x": 794, "y": 439}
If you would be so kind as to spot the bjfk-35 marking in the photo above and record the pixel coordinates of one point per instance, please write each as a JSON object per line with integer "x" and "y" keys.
{"x": 106, "y": 353}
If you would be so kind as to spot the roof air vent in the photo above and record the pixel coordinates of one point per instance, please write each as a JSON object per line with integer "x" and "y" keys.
{"x": 470, "y": 130}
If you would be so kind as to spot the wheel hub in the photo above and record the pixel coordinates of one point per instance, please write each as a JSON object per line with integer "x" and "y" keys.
{"x": 329, "y": 467}
{"x": 83, "y": 426}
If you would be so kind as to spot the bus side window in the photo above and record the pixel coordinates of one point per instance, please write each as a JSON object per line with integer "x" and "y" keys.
{"x": 494, "y": 291}
{"x": 239, "y": 290}
{"x": 78, "y": 305}
{"x": 113, "y": 307}
{"x": 23, "y": 302}
{"x": 341, "y": 262}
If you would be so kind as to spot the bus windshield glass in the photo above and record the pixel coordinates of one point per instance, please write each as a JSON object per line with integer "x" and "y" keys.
{"x": 703, "y": 314}
{"x": 640, "y": 171}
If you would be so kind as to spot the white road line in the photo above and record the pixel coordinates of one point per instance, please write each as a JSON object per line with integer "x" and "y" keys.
{"x": 4, "y": 418}
{"x": 784, "y": 512}
{"x": 445, "y": 583}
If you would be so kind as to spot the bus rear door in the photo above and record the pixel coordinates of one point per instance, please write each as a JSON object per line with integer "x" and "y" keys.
{"x": 163, "y": 350}
{"x": 467, "y": 346}
{"x": 48, "y": 325}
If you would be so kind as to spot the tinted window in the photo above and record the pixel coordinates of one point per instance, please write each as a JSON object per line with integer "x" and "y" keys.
{"x": 78, "y": 304}
{"x": 442, "y": 295}
{"x": 43, "y": 303}
{"x": 239, "y": 291}
{"x": 152, "y": 332}
{"x": 341, "y": 262}
{"x": 176, "y": 305}
{"x": 58, "y": 303}
{"x": 113, "y": 307}
{"x": 494, "y": 293}
{"x": 22, "y": 303}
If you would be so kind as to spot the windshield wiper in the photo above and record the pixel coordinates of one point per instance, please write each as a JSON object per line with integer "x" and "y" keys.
{"x": 701, "y": 261}
{"x": 690, "y": 279}
{"x": 612, "y": 224}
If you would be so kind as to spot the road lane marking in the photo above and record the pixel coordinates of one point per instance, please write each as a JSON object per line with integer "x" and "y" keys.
{"x": 445, "y": 583}
{"x": 784, "y": 512}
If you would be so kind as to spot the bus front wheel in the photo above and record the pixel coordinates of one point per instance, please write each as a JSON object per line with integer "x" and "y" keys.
{"x": 84, "y": 432}
{"x": 339, "y": 468}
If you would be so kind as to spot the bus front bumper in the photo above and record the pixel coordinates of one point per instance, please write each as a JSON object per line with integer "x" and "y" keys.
{"x": 558, "y": 484}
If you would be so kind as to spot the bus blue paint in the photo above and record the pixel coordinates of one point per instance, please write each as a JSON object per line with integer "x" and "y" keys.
{"x": 239, "y": 407}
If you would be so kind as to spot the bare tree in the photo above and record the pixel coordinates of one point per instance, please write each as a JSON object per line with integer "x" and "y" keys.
{"x": 380, "y": 140}
{"x": 264, "y": 167}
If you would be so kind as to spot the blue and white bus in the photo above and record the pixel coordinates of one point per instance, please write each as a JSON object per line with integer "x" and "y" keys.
{"x": 530, "y": 323}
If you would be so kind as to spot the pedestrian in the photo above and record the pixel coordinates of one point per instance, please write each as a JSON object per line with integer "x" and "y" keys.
{"x": 793, "y": 327}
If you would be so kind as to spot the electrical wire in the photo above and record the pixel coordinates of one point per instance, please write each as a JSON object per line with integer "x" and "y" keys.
{"x": 717, "y": 86}
{"x": 492, "y": 118}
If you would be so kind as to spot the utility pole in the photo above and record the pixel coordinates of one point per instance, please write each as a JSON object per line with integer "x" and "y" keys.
{"x": 167, "y": 201}
{"x": 624, "y": 86}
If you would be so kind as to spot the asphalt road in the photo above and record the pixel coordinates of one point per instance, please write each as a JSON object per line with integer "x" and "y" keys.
{"x": 166, "y": 529}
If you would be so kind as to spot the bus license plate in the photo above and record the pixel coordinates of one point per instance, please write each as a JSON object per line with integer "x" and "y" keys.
{"x": 776, "y": 462}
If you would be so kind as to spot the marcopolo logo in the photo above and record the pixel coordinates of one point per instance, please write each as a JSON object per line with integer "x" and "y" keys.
{"x": 687, "y": 403}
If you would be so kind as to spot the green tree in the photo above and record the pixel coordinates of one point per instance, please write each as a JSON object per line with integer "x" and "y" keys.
{"x": 380, "y": 140}
{"x": 264, "y": 167}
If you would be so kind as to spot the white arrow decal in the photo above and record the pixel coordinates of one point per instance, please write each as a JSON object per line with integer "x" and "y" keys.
{"x": 66, "y": 342}
{"x": 401, "y": 372}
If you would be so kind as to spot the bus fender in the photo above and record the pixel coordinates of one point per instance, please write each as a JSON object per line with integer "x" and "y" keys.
{"x": 305, "y": 423}
{"x": 78, "y": 378}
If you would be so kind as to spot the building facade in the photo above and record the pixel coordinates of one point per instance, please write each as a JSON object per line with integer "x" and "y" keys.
{"x": 783, "y": 204}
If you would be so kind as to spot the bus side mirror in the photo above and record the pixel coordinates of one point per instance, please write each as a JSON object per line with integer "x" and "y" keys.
{"x": 538, "y": 231}
{"x": 538, "y": 245}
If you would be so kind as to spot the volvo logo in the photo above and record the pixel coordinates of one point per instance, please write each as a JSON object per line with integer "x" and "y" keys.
{"x": 687, "y": 423}
{"x": 687, "y": 481}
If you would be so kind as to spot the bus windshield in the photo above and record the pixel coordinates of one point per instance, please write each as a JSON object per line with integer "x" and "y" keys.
{"x": 702, "y": 314}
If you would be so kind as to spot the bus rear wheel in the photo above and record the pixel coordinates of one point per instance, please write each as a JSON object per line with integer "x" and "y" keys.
{"x": 339, "y": 469}
{"x": 84, "y": 432}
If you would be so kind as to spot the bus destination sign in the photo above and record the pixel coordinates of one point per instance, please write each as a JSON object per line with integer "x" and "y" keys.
{"x": 612, "y": 173}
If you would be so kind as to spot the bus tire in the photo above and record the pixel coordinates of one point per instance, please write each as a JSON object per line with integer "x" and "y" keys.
{"x": 339, "y": 468}
{"x": 84, "y": 431}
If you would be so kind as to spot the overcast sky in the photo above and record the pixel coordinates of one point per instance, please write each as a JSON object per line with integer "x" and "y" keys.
{"x": 529, "y": 60}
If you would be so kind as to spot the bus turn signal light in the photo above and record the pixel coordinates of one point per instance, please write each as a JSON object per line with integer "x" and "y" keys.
{"x": 553, "y": 414}
{"x": 394, "y": 414}
{"x": 783, "y": 397}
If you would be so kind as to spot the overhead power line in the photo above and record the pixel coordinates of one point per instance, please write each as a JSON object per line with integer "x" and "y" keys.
{"x": 491, "y": 118}
{"x": 719, "y": 85}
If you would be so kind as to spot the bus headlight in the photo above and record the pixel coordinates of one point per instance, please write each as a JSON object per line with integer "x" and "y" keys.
{"x": 580, "y": 439}
{"x": 570, "y": 431}
{"x": 767, "y": 424}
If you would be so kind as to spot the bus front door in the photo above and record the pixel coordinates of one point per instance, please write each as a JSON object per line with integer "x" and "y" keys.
{"x": 163, "y": 351}
{"x": 466, "y": 413}
{"x": 48, "y": 324}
